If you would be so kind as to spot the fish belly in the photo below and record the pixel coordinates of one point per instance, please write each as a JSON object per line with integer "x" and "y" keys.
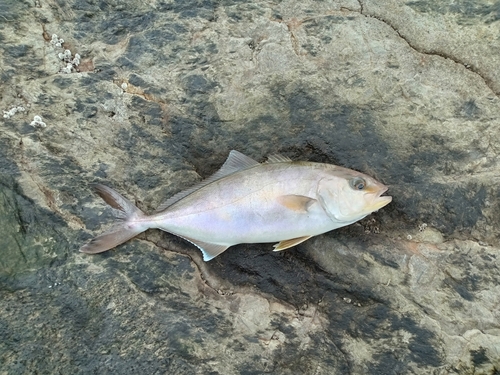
{"x": 249, "y": 223}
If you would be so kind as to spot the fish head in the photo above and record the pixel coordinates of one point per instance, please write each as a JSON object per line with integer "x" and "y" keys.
{"x": 348, "y": 196}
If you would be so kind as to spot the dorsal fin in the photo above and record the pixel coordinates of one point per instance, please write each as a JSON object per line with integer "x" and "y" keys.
{"x": 278, "y": 158}
{"x": 235, "y": 162}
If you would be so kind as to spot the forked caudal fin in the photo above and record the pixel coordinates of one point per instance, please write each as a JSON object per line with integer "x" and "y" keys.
{"x": 126, "y": 228}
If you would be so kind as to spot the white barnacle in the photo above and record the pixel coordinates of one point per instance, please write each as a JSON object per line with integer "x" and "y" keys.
{"x": 11, "y": 112}
{"x": 76, "y": 60}
{"x": 38, "y": 122}
{"x": 56, "y": 41}
{"x": 68, "y": 69}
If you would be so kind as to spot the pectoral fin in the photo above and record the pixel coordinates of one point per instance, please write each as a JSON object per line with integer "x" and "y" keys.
{"x": 290, "y": 243}
{"x": 298, "y": 203}
{"x": 209, "y": 250}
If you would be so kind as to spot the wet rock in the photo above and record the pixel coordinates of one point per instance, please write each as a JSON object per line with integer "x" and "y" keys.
{"x": 162, "y": 91}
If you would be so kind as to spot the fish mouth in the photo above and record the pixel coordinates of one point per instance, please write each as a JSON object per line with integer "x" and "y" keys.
{"x": 380, "y": 201}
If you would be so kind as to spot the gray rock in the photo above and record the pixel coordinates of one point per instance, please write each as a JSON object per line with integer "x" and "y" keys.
{"x": 158, "y": 95}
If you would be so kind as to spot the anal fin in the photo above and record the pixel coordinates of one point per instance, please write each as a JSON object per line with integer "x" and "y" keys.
{"x": 286, "y": 244}
{"x": 209, "y": 250}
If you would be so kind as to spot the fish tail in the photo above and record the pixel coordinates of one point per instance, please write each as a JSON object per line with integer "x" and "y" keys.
{"x": 127, "y": 226}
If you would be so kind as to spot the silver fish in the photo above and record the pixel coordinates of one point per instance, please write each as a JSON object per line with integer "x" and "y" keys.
{"x": 248, "y": 202}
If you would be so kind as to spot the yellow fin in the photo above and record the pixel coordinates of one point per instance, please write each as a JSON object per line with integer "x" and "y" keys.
{"x": 299, "y": 203}
{"x": 290, "y": 243}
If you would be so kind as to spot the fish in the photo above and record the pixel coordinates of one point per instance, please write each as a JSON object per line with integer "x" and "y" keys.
{"x": 245, "y": 201}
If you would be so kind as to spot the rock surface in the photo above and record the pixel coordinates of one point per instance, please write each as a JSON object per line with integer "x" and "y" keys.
{"x": 150, "y": 99}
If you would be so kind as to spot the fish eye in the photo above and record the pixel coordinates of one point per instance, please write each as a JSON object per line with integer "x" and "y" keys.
{"x": 357, "y": 183}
